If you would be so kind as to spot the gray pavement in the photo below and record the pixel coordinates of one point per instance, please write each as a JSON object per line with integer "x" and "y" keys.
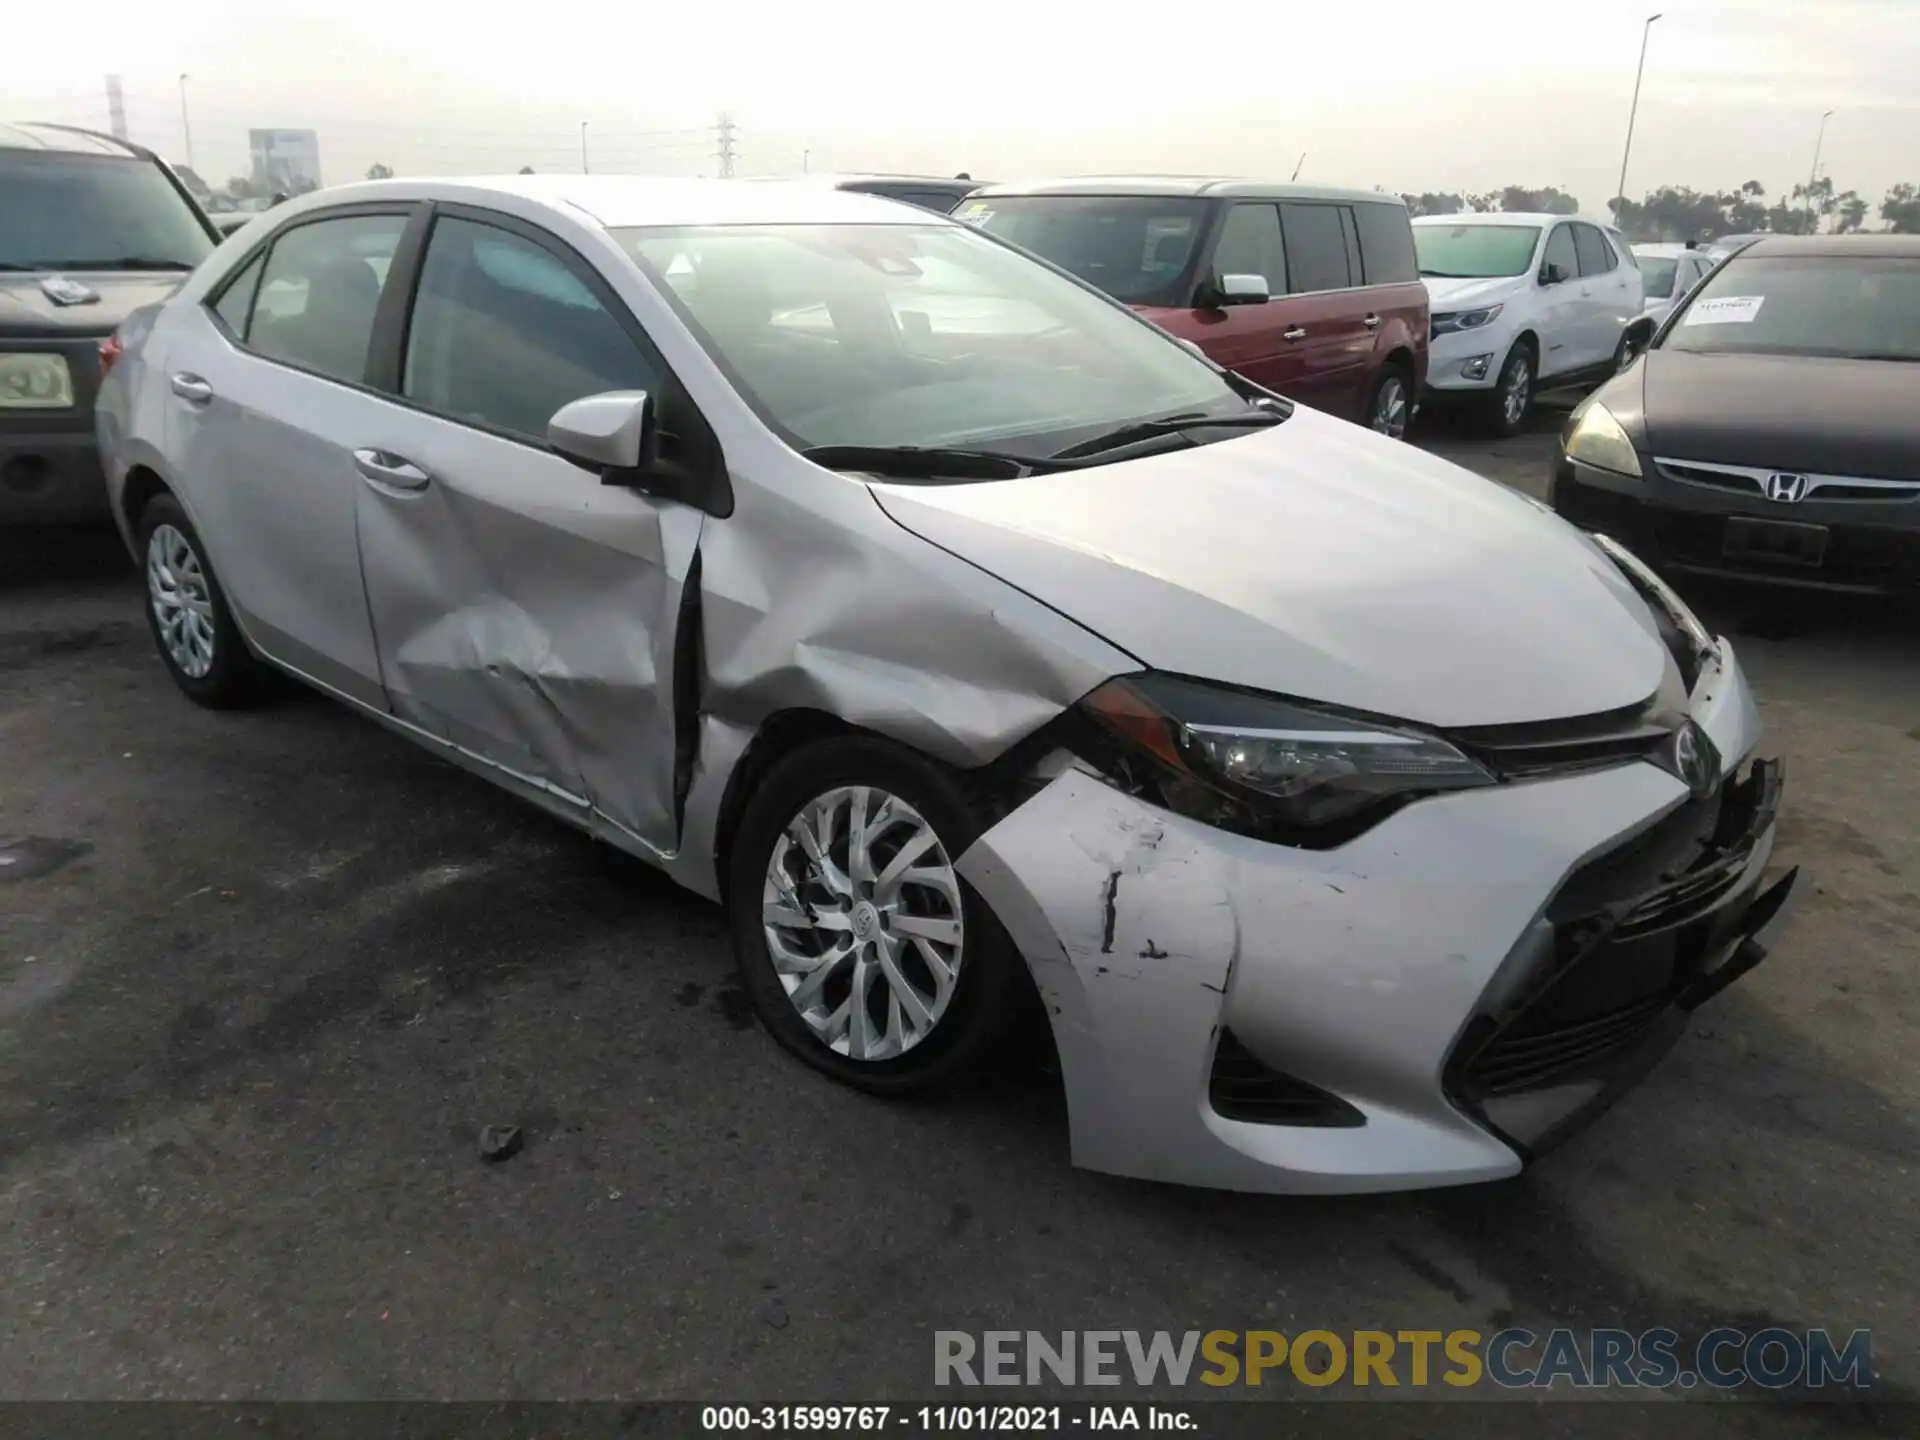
{"x": 264, "y": 976}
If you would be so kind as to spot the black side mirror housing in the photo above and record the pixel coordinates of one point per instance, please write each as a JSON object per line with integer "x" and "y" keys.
{"x": 1554, "y": 273}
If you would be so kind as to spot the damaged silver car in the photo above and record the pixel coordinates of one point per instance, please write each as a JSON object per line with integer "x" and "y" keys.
{"x": 1358, "y": 823}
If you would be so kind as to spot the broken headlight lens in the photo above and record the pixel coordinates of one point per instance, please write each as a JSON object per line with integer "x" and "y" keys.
{"x": 1276, "y": 769}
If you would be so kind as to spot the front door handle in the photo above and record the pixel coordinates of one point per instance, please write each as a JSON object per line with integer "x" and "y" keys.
{"x": 392, "y": 472}
{"x": 1372, "y": 322}
{"x": 1294, "y": 334}
{"x": 191, "y": 388}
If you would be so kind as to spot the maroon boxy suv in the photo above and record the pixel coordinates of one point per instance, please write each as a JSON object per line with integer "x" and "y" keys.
{"x": 1311, "y": 292}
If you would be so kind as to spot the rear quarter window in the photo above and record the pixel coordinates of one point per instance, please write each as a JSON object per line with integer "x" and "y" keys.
{"x": 1386, "y": 244}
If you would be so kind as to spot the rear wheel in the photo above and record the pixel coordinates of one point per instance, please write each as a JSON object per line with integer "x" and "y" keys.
{"x": 1390, "y": 403}
{"x": 1512, "y": 397}
{"x": 863, "y": 951}
{"x": 188, "y": 615}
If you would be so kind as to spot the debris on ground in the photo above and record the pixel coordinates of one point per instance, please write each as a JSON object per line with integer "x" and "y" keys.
{"x": 499, "y": 1142}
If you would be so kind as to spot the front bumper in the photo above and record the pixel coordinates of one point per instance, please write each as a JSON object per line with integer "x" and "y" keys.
{"x": 1467, "y": 361}
{"x": 51, "y": 478}
{"x": 1873, "y": 547}
{"x": 1367, "y": 982}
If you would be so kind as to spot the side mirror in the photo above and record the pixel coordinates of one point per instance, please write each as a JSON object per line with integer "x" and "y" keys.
{"x": 1243, "y": 290}
{"x": 1554, "y": 273}
{"x": 610, "y": 434}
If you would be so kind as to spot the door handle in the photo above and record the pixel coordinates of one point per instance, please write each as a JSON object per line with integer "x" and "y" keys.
{"x": 390, "y": 471}
{"x": 1372, "y": 322}
{"x": 191, "y": 387}
{"x": 1294, "y": 334}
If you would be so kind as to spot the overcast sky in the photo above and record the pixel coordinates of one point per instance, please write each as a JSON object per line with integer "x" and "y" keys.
{"x": 1428, "y": 95}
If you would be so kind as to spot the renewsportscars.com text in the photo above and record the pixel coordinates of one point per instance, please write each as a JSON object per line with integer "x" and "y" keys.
{"x": 1513, "y": 1358}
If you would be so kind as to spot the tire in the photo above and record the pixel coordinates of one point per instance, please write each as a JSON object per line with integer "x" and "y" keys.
{"x": 971, "y": 1020}
{"x": 206, "y": 656}
{"x": 1393, "y": 382}
{"x": 1506, "y": 411}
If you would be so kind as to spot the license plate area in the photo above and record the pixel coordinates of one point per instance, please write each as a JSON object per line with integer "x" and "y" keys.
{"x": 1774, "y": 542}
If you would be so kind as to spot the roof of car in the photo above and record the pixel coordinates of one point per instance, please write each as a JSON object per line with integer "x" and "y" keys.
{"x": 1508, "y": 217}
{"x": 1902, "y": 247}
{"x": 617, "y": 201}
{"x": 35, "y": 135}
{"x": 865, "y": 177}
{"x": 1665, "y": 249}
{"x": 1194, "y": 185}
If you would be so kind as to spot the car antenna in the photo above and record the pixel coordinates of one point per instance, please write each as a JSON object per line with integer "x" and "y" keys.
{"x": 1296, "y": 169}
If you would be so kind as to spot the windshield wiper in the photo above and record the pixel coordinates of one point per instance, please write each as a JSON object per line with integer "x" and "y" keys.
{"x": 918, "y": 462}
{"x": 1171, "y": 425}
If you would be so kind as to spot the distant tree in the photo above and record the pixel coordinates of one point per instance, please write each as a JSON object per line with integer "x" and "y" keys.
{"x": 963, "y": 175}
{"x": 1430, "y": 203}
{"x": 1550, "y": 200}
{"x": 1850, "y": 213}
{"x": 1901, "y": 209}
{"x": 1481, "y": 204}
{"x": 379, "y": 171}
{"x": 526, "y": 170}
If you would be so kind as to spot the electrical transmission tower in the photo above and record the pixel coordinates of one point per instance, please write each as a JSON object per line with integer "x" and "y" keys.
{"x": 725, "y": 149}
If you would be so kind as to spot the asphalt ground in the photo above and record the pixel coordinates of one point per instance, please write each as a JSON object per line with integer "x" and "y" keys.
{"x": 265, "y": 976}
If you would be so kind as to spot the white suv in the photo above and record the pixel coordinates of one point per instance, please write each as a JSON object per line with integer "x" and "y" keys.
{"x": 1519, "y": 299}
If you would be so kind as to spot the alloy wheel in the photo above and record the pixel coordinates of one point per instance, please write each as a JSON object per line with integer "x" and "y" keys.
{"x": 182, "y": 601}
{"x": 1519, "y": 388}
{"x": 862, "y": 916}
{"x": 1390, "y": 409}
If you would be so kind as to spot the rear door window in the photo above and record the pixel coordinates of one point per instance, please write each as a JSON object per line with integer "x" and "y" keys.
{"x": 1560, "y": 252}
{"x": 1386, "y": 245}
{"x": 1316, "y": 247}
{"x": 319, "y": 292}
{"x": 1595, "y": 255}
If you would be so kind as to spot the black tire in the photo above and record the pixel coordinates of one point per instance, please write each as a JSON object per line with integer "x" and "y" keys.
{"x": 235, "y": 677}
{"x": 1384, "y": 384}
{"x": 1501, "y": 417}
{"x": 981, "y": 1017}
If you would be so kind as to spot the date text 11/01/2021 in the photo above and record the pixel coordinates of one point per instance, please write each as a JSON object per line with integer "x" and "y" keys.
{"x": 940, "y": 1419}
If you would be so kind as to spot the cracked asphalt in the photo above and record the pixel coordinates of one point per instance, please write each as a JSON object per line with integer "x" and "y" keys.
{"x": 264, "y": 977}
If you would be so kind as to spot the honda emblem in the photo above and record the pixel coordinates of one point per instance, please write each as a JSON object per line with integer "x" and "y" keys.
{"x": 1787, "y": 489}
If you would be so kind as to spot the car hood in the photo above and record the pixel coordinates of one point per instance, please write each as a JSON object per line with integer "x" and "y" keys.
{"x": 28, "y": 307}
{"x": 1321, "y": 561}
{"x": 1830, "y": 417}
{"x": 1466, "y": 294}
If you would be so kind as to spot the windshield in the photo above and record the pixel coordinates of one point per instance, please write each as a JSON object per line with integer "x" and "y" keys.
{"x": 1474, "y": 252}
{"x": 1136, "y": 248}
{"x": 889, "y": 335}
{"x": 1658, "y": 271}
{"x": 1832, "y": 306}
{"x": 72, "y": 212}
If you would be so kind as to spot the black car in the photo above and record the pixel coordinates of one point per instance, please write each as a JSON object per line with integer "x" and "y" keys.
{"x": 1772, "y": 431}
{"x": 91, "y": 227}
{"x": 927, "y": 191}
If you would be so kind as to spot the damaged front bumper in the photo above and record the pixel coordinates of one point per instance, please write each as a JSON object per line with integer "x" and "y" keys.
{"x": 1429, "y": 1004}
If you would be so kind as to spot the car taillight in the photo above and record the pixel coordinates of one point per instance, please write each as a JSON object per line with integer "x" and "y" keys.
{"x": 110, "y": 351}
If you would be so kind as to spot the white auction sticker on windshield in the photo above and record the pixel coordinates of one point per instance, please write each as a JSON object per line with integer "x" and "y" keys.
{"x": 1725, "y": 310}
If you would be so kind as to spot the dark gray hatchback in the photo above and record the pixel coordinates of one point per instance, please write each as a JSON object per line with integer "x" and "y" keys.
{"x": 91, "y": 228}
{"x": 1772, "y": 431}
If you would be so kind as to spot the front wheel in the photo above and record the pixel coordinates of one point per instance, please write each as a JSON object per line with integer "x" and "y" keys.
{"x": 863, "y": 951}
{"x": 1512, "y": 397}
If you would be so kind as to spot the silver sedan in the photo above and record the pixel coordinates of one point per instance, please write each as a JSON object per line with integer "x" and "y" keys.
{"x": 1350, "y": 822}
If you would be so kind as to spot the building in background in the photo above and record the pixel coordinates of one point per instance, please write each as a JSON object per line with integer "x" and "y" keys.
{"x": 285, "y": 161}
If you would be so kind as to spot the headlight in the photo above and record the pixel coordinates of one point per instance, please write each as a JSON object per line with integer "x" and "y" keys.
{"x": 1596, "y": 438}
{"x": 1453, "y": 320}
{"x": 35, "y": 382}
{"x": 1271, "y": 768}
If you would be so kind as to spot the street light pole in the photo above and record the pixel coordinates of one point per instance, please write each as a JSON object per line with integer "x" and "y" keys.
{"x": 1813, "y": 175}
{"x": 185, "y": 128}
{"x": 583, "y": 147}
{"x": 1620, "y": 195}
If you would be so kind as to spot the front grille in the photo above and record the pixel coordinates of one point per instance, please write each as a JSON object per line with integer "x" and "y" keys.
{"x": 1751, "y": 480}
{"x": 1244, "y": 1087}
{"x": 1587, "y": 742}
{"x": 1631, "y": 930}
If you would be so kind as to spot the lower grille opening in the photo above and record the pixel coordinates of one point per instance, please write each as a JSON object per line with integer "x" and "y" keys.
{"x": 1245, "y": 1087}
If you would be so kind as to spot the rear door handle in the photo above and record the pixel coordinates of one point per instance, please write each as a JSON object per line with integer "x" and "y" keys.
{"x": 1294, "y": 334}
{"x": 1372, "y": 322}
{"x": 391, "y": 472}
{"x": 191, "y": 388}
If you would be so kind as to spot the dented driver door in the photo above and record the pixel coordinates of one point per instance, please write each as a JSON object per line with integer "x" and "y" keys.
{"x": 523, "y": 610}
